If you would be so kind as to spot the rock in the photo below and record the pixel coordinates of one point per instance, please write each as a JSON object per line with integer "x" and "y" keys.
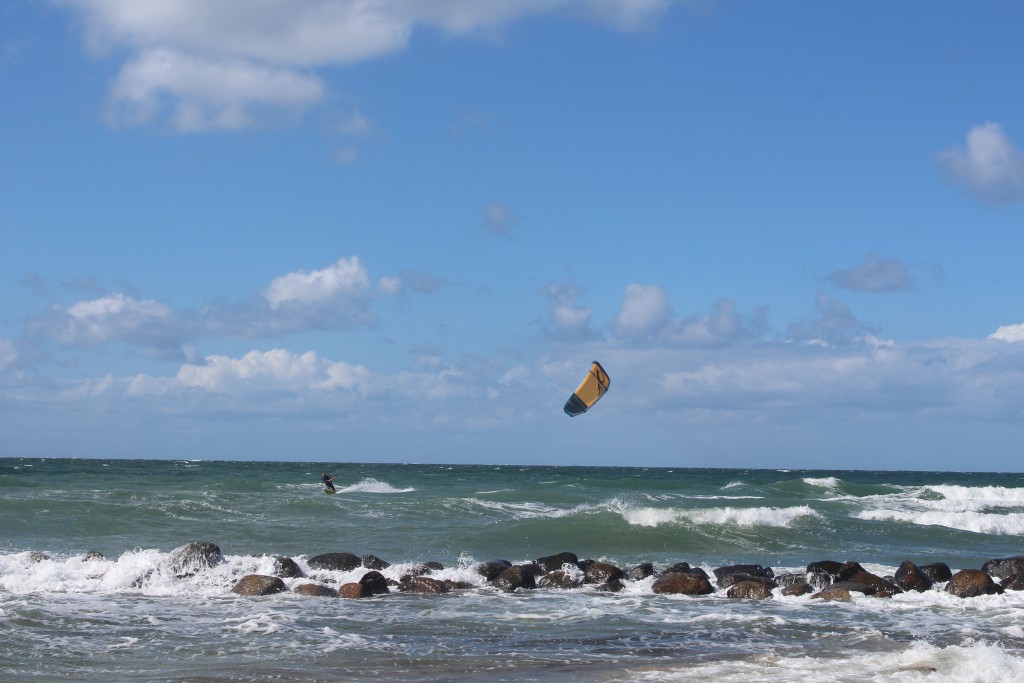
{"x": 559, "y": 579}
{"x": 882, "y": 587}
{"x": 433, "y": 566}
{"x": 492, "y": 568}
{"x": 790, "y": 580}
{"x": 682, "y": 583}
{"x": 336, "y": 562}
{"x": 315, "y": 590}
{"x": 798, "y": 589}
{"x": 848, "y": 570}
{"x": 514, "y": 578}
{"x": 641, "y": 571}
{"x": 939, "y": 572}
{"x": 858, "y": 587}
{"x": 374, "y": 562}
{"x": 678, "y": 567}
{"x": 970, "y": 583}
{"x": 909, "y": 577}
{"x": 602, "y": 572}
{"x": 533, "y": 568}
{"x": 1013, "y": 583}
{"x": 1001, "y": 569}
{"x": 823, "y": 573}
{"x": 286, "y": 567}
{"x": 552, "y": 563}
{"x": 753, "y": 590}
{"x": 833, "y": 593}
{"x": 192, "y": 558}
{"x": 352, "y": 591}
{"x": 728, "y": 580}
{"x": 747, "y": 569}
{"x": 613, "y": 586}
{"x": 374, "y": 583}
{"x": 424, "y": 585}
{"x": 92, "y": 556}
{"x": 257, "y": 584}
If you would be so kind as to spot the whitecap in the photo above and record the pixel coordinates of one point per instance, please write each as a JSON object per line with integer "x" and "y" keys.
{"x": 371, "y": 485}
{"x": 745, "y": 517}
{"x": 978, "y": 522}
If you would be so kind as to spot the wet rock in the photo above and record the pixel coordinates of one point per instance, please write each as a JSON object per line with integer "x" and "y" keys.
{"x": 677, "y": 568}
{"x": 1013, "y": 583}
{"x": 641, "y": 571}
{"x": 552, "y": 563}
{"x": 315, "y": 590}
{"x": 514, "y": 578}
{"x": 491, "y": 569}
{"x": 939, "y": 572}
{"x": 424, "y": 585}
{"x": 753, "y": 590}
{"x": 92, "y": 556}
{"x": 682, "y": 583}
{"x": 881, "y": 586}
{"x": 797, "y": 589}
{"x": 193, "y": 558}
{"x": 433, "y": 566}
{"x": 613, "y": 586}
{"x": 1001, "y": 569}
{"x": 533, "y": 568}
{"x": 257, "y": 584}
{"x": 858, "y": 587}
{"x": 909, "y": 577}
{"x": 970, "y": 583}
{"x": 352, "y": 591}
{"x": 823, "y": 573}
{"x": 602, "y": 572}
{"x": 335, "y": 562}
{"x": 559, "y": 579}
{"x": 850, "y": 569}
{"x": 788, "y": 580}
{"x": 833, "y": 594}
{"x": 745, "y": 569}
{"x": 286, "y": 567}
{"x": 373, "y": 562}
{"x": 728, "y": 580}
{"x": 374, "y": 583}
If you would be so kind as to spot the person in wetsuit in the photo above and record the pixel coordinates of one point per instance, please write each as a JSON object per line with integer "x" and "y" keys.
{"x": 327, "y": 481}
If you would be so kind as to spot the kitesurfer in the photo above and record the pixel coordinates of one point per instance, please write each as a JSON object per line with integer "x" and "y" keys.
{"x": 327, "y": 481}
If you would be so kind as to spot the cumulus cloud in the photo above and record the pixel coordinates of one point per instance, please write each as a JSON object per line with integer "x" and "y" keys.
{"x": 227, "y": 64}
{"x": 567, "y": 321}
{"x": 274, "y": 370}
{"x": 874, "y": 275}
{"x": 1009, "y": 333}
{"x": 115, "y": 318}
{"x": 346, "y": 278}
{"x": 990, "y": 166}
{"x": 644, "y": 313}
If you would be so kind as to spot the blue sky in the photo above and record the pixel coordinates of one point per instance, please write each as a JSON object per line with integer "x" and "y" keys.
{"x": 400, "y": 231}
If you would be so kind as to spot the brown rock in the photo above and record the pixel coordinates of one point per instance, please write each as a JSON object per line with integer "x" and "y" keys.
{"x": 797, "y": 589}
{"x": 558, "y": 579}
{"x": 753, "y": 590}
{"x": 602, "y": 572}
{"x": 909, "y": 577}
{"x": 938, "y": 572}
{"x": 970, "y": 583}
{"x": 423, "y": 584}
{"x": 352, "y": 591}
{"x": 833, "y": 593}
{"x": 514, "y": 578}
{"x": 684, "y": 584}
{"x": 257, "y": 584}
{"x": 315, "y": 590}
{"x": 491, "y": 569}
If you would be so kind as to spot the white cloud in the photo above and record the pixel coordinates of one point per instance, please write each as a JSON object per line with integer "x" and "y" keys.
{"x": 208, "y": 94}
{"x": 347, "y": 278}
{"x": 874, "y": 275}
{"x": 645, "y": 312}
{"x": 989, "y": 166}
{"x": 567, "y": 321}
{"x": 1009, "y": 333}
{"x": 724, "y": 325}
{"x": 228, "y": 64}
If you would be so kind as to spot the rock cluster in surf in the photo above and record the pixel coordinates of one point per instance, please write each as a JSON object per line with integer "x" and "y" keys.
{"x": 823, "y": 580}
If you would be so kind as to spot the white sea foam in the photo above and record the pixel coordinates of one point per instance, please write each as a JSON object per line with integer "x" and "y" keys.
{"x": 997, "y": 524}
{"x": 993, "y": 510}
{"x": 822, "y": 482}
{"x": 745, "y": 517}
{"x": 371, "y": 485}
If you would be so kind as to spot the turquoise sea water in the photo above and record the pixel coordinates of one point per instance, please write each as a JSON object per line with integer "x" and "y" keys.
{"x": 66, "y": 615}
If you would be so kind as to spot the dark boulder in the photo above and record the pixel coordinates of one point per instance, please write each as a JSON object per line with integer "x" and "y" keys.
{"x": 514, "y": 578}
{"x": 1000, "y": 569}
{"x": 315, "y": 590}
{"x": 491, "y": 569}
{"x": 533, "y": 568}
{"x": 552, "y": 563}
{"x": 335, "y": 562}
{"x": 746, "y": 569}
{"x": 848, "y": 570}
{"x": 970, "y": 583}
{"x": 865, "y": 588}
{"x": 797, "y": 589}
{"x": 682, "y": 583}
{"x": 753, "y": 590}
{"x": 257, "y": 584}
{"x": 613, "y": 586}
{"x": 823, "y": 573}
{"x": 882, "y": 587}
{"x": 286, "y": 567}
{"x": 602, "y": 572}
{"x": 1013, "y": 583}
{"x": 192, "y": 558}
{"x": 833, "y": 593}
{"x": 559, "y": 579}
{"x": 678, "y": 568}
{"x": 728, "y": 580}
{"x": 789, "y": 580}
{"x": 424, "y": 585}
{"x": 939, "y": 572}
{"x": 373, "y": 562}
{"x": 433, "y": 566}
{"x": 641, "y": 571}
{"x": 374, "y": 583}
{"x": 909, "y": 577}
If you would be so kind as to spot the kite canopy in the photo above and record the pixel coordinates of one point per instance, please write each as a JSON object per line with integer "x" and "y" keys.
{"x": 590, "y": 390}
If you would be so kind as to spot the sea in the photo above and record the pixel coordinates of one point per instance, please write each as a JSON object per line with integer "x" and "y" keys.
{"x": 86, "y": 593}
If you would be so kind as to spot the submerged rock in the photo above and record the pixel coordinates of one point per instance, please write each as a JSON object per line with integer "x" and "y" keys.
{"x": 424, "y": 585}
{"x": 641, "y": 571}
{"x": 193, "y": 558}
{"x": 682, "y": 583}
{"x": 745, "y": 569}
{"x": 316, "y": 590}
{"x": 286, "y": 567}
{"x": 753, "y": 590}
{"x": 492, "y": 568}
{"x": 559, "y": 579}
{"x": 555, "y": 562}
{"x": 833, "y": 593}
{"x": 257, "y": 584}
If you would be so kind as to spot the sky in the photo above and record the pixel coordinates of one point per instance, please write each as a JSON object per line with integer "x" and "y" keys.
{"x": 399, "y": 231}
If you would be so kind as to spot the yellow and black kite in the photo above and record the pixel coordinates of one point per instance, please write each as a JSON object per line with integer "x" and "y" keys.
{"x": 589, "y": 392}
